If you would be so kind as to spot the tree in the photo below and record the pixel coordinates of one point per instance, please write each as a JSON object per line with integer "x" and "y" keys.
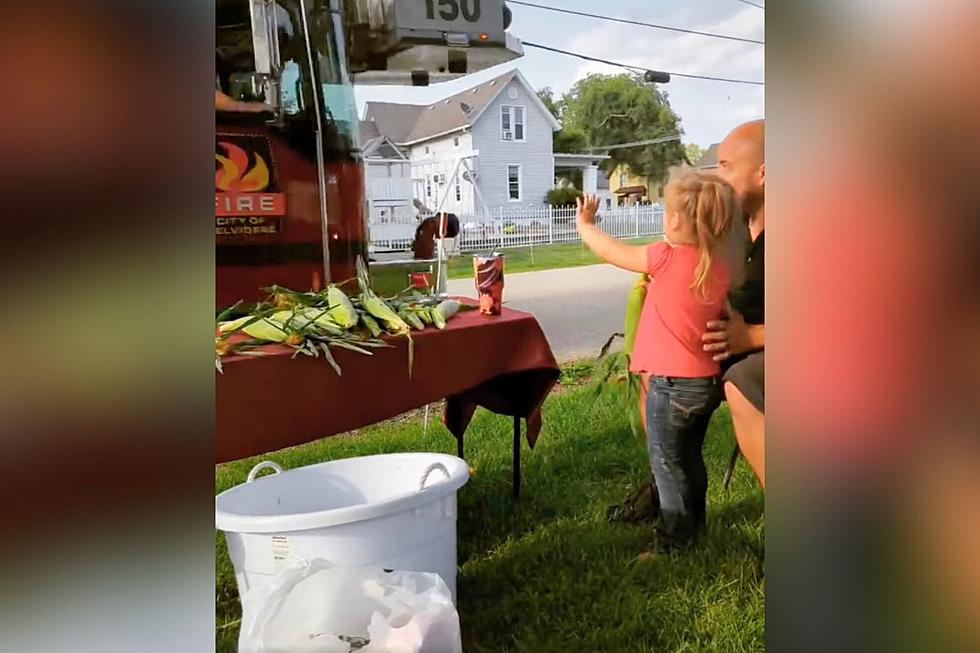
{"x": 615, "y": 109}
{"x": 694, "y": 153}
{"x": 562, "y": 196}
{"x": 565, "y": 139}
{"x": 570, "y": 139}
{"x": 547, "y": 97}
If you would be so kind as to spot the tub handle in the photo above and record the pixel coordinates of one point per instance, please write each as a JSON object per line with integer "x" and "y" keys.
{"x": 265, "y": 464}
{"x": 428, "y": 470}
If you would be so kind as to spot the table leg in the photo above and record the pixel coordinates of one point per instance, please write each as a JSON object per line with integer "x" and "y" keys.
{"x": 517, "y": 457}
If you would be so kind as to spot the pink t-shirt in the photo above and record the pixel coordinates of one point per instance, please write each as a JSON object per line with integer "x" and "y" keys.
{"x": 674, "y": 317}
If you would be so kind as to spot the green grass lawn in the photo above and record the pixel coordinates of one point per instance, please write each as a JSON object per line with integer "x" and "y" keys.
{"x": 545, "y": 257}
{"x": 549, "y": 572}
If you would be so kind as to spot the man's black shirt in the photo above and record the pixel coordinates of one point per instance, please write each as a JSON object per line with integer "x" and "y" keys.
{"x": 749, "y": 299}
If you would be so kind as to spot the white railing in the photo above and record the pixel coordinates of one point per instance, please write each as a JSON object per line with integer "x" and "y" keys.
{"x": 524, "y": 227}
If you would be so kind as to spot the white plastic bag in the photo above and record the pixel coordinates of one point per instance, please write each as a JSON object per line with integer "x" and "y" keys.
{"x": 318, "y": 607}
{"x": 421, "y": 617}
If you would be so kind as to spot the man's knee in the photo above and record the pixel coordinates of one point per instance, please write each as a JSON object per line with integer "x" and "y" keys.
{"x": 736, "y": 400}
{"x": 738, "y": 403}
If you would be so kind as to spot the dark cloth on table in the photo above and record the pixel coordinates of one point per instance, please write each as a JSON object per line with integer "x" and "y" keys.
{"x": 503, "y": 363}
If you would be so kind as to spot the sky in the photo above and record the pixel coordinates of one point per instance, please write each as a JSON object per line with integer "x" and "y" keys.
{"x": 708, "y": 109}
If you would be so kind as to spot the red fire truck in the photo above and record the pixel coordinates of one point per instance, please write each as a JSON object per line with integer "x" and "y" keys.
{"x": 289, "y": 179}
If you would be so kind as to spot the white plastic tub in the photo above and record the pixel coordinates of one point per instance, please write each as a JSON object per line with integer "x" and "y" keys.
{"x": 394, "y": 511}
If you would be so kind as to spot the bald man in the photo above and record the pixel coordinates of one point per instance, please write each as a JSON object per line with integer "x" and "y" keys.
{"x": 740, "y": 340}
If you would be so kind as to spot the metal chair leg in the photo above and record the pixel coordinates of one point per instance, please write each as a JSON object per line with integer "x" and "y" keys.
{"x": 517, "y": 457}
{"x": 731, "y": 467}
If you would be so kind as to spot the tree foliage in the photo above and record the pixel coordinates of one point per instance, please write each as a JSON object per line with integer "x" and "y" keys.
{"x": 614, "y": 109}
{"x": 562, "y": 196}
{"x": 547, "y": 97}
{"x": 694, "y": 153}
{"x": 566, "y": 139}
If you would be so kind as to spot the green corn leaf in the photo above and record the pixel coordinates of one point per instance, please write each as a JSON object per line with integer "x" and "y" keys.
{"x": 223, "y": 315}
{"x": 330, "y": 358}
{"x": 346, "y": 345}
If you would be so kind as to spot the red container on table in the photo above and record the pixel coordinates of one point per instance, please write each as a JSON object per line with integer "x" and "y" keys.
{"x": 488, "y": 273}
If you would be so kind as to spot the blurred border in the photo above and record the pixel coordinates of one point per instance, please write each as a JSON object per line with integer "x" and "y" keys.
{"x": 873, "y": 525}
{"x": 108, "y": 282}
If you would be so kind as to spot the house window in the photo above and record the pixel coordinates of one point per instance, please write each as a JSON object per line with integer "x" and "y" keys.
{"x": 608, "y": 204}
{"x": 623, "y": 179}
{"x": 456, "y": 142}
{"x": 428, "y": 186}
{"x": 459, "y": 191}
{"x": 512, "y": 123}
{"x": 514, "y": 183}
{"x": 426, "y": 149}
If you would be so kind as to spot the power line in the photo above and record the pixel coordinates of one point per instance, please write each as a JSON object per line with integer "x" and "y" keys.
{"x": 752, "y": 4}
{"x": 637, "y": 22}
{"x": 651, "y": 141}
{"x": 637, "y": 68}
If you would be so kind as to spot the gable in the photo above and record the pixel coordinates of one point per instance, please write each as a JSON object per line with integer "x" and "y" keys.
{"x": 527, "y": 96}
{"x": 710, "y": 157}
{"x": 393, "y": 120}
{"x": 408, "y": 124}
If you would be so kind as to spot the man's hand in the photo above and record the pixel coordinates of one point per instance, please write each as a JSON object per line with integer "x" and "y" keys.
{"x": 732, "y": 336}
{"x": 587, "y": 206}
{"x": 223, "y": 102}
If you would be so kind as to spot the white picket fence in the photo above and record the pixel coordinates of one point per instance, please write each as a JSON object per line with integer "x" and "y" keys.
{"x": 524, "y": 227}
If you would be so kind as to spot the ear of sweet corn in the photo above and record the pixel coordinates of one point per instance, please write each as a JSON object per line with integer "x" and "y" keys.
{"x": 380, "y": 310}
{"x": 371, "y": 325}
{"x": 634, "y": 307}
{"x": 234, "y": 325}
{"x": 444, "y": 311}
{"x": 411, "y": 318}
{"x": 448, "y": 308}
{"x": 425, "y": 315}
{"x": 260, "y": 329}
{"x": 341, "y": 309}
{"x": 438, "y": 319}
{"x": 266, "y": 329}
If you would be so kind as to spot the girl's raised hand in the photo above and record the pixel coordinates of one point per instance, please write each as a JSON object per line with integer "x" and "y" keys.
{"x": 587, "y": 206}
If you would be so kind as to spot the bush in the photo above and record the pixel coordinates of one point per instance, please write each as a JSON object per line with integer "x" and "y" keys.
{"x": 562, "y": 196}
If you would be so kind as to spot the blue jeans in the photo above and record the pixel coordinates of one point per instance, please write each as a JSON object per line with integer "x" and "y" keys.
{"x": 678, "y": 412}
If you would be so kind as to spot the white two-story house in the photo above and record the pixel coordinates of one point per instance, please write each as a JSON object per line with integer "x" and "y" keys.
{"x": 480, "y": 150}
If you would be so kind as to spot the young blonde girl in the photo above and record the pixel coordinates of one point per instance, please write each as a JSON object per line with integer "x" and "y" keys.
{"x": 689, "y": 283}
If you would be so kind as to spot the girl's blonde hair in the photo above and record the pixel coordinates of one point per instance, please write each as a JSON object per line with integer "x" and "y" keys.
{"x": 708, "y": 203}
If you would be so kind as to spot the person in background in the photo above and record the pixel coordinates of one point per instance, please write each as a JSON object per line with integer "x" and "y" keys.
{"x": 224, "y": 102}
{"x": 690, "y": 280}
{"x": 424, "y": 244}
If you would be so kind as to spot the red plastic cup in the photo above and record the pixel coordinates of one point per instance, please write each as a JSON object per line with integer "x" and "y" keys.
{"x": 488, "y": 273}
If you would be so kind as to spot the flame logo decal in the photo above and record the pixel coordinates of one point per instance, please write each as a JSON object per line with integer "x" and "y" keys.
{"x": 234, "y": 176}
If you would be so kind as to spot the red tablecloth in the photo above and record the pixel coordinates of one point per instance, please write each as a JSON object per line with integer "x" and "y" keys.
{"x": 503, "y": 363}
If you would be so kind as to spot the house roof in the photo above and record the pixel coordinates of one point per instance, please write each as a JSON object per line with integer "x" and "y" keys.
{"x": 375, "y": 145}
{"x": 631, "y": 190}
{"x": 572, "y": 160}
{"x": 406, "y": 124}
{"x": 710, "y": 158}
{"x": 368, "y": 131}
